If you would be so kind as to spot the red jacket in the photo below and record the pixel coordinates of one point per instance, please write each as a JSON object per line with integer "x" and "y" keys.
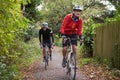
{"x": 70, "y": 27}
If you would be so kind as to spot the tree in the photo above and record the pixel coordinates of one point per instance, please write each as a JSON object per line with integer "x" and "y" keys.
{"x": 115, "y": 2}
{"x": 12, "y": 24}
{"x": 91, "y": 9}
{"x": 54, "y": 13}
{"x": 31, "y": 12}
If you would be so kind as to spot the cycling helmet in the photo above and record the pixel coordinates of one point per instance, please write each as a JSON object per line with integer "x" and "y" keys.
{"x": 44, "y": 24}
{"x": 77, "y": 7}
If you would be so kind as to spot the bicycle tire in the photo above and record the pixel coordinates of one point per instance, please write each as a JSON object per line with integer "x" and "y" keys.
{"x": 45, "y": 64}
{"x": 46, "y": 60}
{"x": 73, "y": 77}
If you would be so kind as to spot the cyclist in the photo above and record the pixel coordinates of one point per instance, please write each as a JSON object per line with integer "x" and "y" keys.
{"x": 71, "y": 27}
{"x": 46, "y": 38}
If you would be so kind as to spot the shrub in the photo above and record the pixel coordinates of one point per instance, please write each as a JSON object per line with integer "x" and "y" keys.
{"x": 88, "y": 32}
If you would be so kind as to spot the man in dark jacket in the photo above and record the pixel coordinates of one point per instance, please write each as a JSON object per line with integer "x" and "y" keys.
{"x": 46, "y": 38}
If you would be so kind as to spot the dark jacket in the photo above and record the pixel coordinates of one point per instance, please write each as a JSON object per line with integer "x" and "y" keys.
{"x": 46, "y": 35}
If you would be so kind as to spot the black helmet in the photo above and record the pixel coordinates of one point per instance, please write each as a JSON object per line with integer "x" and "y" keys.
{"x": 77, "y": 7}
{"x": 44, "y": 24}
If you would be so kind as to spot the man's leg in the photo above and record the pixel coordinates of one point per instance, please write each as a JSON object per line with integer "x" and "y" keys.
{"x": 43, "y": 50}
{"x": 74, "y": 43}
{"x": 43, "y": 54}
{"x": 64, "y": 45}
{"x": 74, "y": 48}
{"x": 50, "y": 50}
{"x": 64, "y": 51}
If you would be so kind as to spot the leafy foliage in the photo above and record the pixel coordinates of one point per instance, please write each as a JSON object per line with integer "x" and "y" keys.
{"x": 54, "y": 14}
{"x": 116, "y": 16}
{"x": 88, "y": 32}
{"x": 31, "y": 12}
{"x": 116, "y": 3}
{"x": 12, "y": 24}
{"x": 34, "y": 15}
{"x": 30, "y": 33}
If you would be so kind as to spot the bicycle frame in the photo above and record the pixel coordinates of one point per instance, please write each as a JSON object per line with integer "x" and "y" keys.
{"x": 69, "y": 51}
{"x": 46, "y": 49}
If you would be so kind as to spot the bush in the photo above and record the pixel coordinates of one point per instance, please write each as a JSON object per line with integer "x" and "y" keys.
{"x": 87, "y": 47}
{"x": 30, "y": 33}
{"x": 19, "y": 54}
{"x": 88, "y": 32}
{"x": 12, "y": 24}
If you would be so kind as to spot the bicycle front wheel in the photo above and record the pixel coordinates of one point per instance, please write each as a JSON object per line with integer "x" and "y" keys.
{"x": 45, "y": 65}
{"x": 72, "y": 66}
{"x": 46, "y": 60}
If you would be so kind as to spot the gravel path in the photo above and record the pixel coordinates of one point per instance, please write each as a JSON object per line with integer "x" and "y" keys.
{"x": 54, "y": 71}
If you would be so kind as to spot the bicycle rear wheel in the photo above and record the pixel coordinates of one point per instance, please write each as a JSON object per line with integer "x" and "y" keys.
{"x": 72, "y": 66}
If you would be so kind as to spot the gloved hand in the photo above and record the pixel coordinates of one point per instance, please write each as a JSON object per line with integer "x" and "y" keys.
{"x": 61, "y": 35}
{"x": 81, "y": 39}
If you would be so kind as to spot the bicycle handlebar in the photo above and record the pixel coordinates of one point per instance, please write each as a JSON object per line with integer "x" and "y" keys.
{"x": 71, "y": 39}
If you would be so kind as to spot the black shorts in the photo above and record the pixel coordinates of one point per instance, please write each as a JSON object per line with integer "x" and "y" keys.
{"x": 73, "y": 38}
{"x": 48, "y": 43}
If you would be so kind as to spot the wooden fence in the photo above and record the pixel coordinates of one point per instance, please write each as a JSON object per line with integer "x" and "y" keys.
{"x": 107, "y": 43}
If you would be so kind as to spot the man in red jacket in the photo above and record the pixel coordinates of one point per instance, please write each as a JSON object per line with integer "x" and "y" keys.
{"x": 71, "y": 27}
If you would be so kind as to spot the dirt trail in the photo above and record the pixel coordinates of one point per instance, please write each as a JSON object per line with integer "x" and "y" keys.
{"x": 54, "y": 71}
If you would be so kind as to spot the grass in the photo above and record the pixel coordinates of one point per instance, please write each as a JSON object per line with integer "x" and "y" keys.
{"x": 86, "y": 61}
{"x": 20, "y": 54}
{"x": 32, "y": 52}
{"x": 82, "y": 60}
{"x": 29, "y": 52}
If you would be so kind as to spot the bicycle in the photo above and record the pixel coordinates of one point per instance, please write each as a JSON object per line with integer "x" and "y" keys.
{"x": 70, "y": 60}
{"x": 47, "y": 55}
